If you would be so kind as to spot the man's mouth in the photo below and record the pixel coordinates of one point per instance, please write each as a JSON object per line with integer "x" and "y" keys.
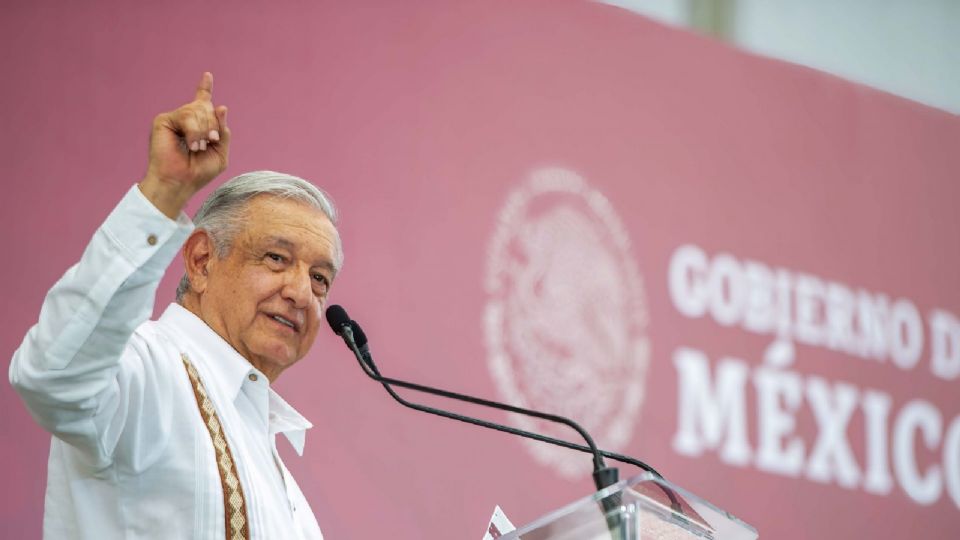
{"x": 284, "y": 321}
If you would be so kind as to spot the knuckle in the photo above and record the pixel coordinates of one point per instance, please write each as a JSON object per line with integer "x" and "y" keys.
{"x": 161, "y": 121}
{"x": 184, "y": 115}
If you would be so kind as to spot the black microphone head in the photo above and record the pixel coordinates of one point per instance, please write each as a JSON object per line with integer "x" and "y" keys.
{"x": 337, "y": 318}
{"x": 358, "y": 336}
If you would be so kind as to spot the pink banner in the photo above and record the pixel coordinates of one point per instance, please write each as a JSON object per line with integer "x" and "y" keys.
{"x": 740, "y": 271}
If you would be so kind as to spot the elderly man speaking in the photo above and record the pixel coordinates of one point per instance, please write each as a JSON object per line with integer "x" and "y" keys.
{"x": 166, "y": 429}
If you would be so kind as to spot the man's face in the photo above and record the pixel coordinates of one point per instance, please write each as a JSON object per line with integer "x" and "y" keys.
{"x": 265, "y": 297}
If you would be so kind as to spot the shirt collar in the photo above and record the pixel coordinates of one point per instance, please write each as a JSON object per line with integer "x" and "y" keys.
{"x": 285, "y": 419}
{"x": 229, "y": 369}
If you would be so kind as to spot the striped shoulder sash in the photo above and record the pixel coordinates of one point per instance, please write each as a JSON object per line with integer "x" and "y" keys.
{"x": 234, "y": 506}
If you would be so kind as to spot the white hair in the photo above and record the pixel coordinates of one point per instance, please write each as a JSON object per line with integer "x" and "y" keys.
{"x": 221, "y": 214}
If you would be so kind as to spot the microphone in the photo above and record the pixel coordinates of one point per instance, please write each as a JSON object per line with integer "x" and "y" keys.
{"x": 361, "y": 340}
{"x": 339, "y": 321}
{"x": 356, "y": 340}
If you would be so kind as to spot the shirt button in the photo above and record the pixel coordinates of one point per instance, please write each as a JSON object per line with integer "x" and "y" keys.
{"x": 253, "y": 377}
{"x": 152, "y": 239}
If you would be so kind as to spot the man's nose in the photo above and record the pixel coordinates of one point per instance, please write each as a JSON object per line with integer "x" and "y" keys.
{"x": 297, "y": 288}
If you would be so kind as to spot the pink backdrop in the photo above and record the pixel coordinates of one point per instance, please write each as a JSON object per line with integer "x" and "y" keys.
{"x": 422, "y": 119}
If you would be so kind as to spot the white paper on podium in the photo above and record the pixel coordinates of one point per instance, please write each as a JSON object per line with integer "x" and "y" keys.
{"x": 499, "y": 525}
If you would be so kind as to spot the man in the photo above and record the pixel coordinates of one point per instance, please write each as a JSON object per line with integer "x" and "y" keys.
{"x": 166, "y": 429}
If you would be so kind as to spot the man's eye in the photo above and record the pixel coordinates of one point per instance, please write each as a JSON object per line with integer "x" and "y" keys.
{"x": 320, "y": 278}
{"x": 274, "y": 257}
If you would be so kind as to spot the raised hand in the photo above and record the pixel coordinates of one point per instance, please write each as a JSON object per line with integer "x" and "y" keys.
{"x": 189, "y": 147}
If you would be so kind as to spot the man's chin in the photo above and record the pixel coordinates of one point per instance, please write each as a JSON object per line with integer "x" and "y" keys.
{"x": 277, "y": 356}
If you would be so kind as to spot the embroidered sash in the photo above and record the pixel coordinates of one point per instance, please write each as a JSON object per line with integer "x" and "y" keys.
{"x": 234, "y": 507}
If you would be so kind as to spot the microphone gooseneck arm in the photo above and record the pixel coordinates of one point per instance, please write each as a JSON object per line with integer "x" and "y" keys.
{"x": 603, "y": 476}
{"x": 355, "y": 339}
{"x": 368, "y": 366}
{"x": 386, "y": 382}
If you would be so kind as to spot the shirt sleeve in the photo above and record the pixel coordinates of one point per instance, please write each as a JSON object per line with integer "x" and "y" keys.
{"x": 66, "y": 367}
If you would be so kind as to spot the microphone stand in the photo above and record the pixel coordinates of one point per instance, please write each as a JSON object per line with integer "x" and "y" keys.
{"x": 603, "y": 476}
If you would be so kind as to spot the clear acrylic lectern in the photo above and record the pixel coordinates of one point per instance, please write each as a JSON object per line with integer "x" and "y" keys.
{"x": 643, "y": 507}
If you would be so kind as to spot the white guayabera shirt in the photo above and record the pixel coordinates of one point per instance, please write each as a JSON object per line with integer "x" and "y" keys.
{"x": 131, "y": 456}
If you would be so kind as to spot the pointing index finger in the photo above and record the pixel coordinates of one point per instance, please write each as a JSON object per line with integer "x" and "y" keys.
{"x": 205, "y": 89}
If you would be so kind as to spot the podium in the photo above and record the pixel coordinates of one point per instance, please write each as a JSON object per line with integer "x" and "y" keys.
{"x": 643, "y": 507}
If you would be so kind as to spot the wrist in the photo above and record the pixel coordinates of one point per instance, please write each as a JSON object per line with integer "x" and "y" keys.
{"x": 168, "y": 197}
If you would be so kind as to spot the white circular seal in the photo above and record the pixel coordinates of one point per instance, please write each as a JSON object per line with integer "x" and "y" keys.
{"x": 565, "y": 323}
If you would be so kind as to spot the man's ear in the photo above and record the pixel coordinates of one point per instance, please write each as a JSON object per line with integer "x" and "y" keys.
{"x": 198, "y": 255}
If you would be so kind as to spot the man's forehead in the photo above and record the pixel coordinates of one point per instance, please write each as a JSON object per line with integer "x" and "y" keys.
{"x": 269, "y": 206}
{"x": 294, "y": 242}
{"x": 275, "y": 240}
{"x": 265, "y": 214}
{"x": 291, "y": 224}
